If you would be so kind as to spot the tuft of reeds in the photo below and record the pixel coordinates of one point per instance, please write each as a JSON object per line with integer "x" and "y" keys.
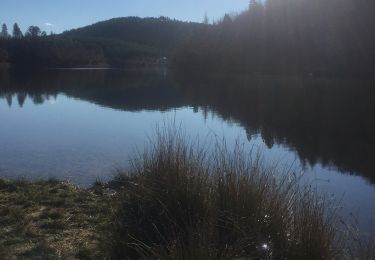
{"x": 180, "y": 201}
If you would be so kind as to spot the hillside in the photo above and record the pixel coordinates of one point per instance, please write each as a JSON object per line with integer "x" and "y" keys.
{"x": 119, "y": 42}
{"x": 161, "y": 33}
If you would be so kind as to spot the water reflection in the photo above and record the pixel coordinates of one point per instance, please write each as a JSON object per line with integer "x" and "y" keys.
{"x": 325, "y": 120}
{"x": 125, "y": 90}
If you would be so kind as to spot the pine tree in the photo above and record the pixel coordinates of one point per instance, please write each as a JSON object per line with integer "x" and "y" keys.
{"x": 4, "y": 32}
{"x": 17, "y": 33}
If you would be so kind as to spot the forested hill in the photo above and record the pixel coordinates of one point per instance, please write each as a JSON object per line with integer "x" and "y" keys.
{"x": 119, "y": 42}
{"x": 315, "y": 37}
{"x": 160, "y": 33}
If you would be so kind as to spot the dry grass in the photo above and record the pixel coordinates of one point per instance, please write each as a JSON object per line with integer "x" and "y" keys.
{"x": 182, "y": 202}
{"x": 50, "y": 220}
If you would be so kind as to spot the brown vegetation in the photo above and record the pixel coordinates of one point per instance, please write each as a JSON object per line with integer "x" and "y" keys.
{"x": 50, "y": 220}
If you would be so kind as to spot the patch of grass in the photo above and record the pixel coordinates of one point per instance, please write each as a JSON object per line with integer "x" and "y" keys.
{"x": 62, "y": 216}
{"x": 40, "y": 251}
{"x": 181, "y": 202}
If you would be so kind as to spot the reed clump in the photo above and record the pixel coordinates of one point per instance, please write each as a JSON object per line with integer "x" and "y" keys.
{"x": 179, "y": 201}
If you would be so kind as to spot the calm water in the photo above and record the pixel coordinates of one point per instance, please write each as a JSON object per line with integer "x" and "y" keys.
{"x": 83, "y": 125}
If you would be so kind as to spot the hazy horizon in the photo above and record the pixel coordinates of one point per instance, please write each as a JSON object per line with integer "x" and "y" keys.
{"x": 64, "y": 15}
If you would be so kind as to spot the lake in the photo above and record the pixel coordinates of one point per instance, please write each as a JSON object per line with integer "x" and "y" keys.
{"x": 83, "y": 125}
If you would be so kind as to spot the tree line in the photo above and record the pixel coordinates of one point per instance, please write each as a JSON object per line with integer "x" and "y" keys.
{"x": 283, "y": 36}
{"x": 35, "y": 48}
{"x": 8, "y": 41}
{"x": 32, "y": 31}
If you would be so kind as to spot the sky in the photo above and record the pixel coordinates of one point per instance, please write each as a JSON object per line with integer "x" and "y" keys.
{"x": 61, "y": 15}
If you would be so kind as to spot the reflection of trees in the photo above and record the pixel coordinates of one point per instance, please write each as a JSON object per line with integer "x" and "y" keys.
{"x": 125, "y": 90}
{"x": 36, "y": 98}
{"x": 8, "y": 98}
{"x": 324, "y": 120}
{"x": 21, "y": 97}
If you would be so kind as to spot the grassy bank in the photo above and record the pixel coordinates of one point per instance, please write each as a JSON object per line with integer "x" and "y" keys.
{"x": 50, "y": 220}
{"x": 176, "y": 201}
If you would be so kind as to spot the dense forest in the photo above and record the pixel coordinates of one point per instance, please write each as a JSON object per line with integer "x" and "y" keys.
{"x": 288, "y": 36}
{"x": 115, "y": 43}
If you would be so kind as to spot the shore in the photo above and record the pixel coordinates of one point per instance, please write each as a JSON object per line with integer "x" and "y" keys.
{"x": 50, "y": 220}
{"x": 176, "y": 201}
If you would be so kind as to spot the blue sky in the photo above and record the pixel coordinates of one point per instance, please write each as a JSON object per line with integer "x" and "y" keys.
{"x": 60, "y": 15}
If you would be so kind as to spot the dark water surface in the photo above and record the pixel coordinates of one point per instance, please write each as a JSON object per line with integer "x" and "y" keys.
{"x": 81, "y": 125}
